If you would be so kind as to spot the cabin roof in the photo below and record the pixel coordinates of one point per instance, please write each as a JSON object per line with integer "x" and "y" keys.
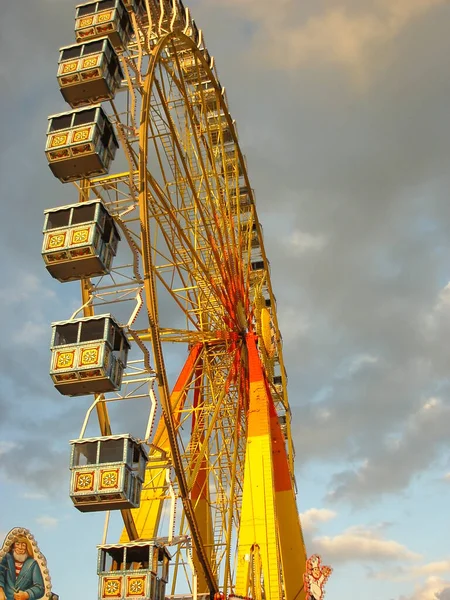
{"x": 87, "y": 42}
{"x": 77, "y": 110}
{"x": 118, "y": 436}
{"x": 142, "y": 544}
{"x": 94, "y": 317}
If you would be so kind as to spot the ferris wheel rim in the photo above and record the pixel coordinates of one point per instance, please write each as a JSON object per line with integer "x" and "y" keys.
{"x": 144, "y": 150}
{"x": 199, "y": 53}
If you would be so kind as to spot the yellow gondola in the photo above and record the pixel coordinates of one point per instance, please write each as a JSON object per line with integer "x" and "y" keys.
{"x": 80, "y": 143}
{"x": 80, "y": 240}
{"x": 89, "y": 73}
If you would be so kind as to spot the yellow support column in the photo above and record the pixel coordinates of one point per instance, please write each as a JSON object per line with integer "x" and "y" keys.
{"x": 200, "y": 499}
{"x": 292, "y": 546}
{"x": 258, "y": 529}
{"x": 200, "y": 486}
{"x": 154, "y": 491}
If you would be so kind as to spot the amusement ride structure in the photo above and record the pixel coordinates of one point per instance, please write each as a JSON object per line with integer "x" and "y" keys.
{"x": 177, "y": 330}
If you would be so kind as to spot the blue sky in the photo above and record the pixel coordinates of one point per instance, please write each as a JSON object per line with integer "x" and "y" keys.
{"x": 342, "y": 112}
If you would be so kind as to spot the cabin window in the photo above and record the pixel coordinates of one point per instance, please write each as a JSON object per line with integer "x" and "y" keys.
{"x": 63, "y": 122}
{"x": 111, "y": 560}
{"x": 86, "y": 10}
{"x": 85, "y": 454}
{"x": 136, "y": 459}
{"x": 132, "y": 454}
{"x": 123, "y": 354}
{"x": 227, "y": 136}
{"x": 93, "y": 48}
{"x": 66, "y": 334}
{"x": 125, "y": 21}
{"x": 69, "y": 53}
{"x": 106, "y": 562}
{"x": 92, "y": 330}
{"x": 106, "y": 137}
{"x": 111, "y": 451}
{"x": 86, "y": 116}
{"x": 138, "y": 557}
{"x": 112, "y": 66}
{"x": 59, "y": 218}
{"x": 111, "y": 333}
{"x": 83, "y": 214}
{"x": 160, "y": 569}
{"x": 104, "y": 4}
{"x": 259, "y": 264}
{"x": 107, "y": 230}
{"x": 142, "y": 465}
{"x": 117, "y": 343}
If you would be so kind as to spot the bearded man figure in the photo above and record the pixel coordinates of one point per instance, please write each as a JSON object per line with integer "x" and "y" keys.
{"x": 20, "y": 574}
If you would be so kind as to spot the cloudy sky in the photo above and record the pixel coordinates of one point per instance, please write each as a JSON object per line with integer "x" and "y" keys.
{"x": 342, "y": 112}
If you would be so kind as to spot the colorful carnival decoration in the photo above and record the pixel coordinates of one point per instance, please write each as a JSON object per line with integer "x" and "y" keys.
{"x": 315, "y": 578}
{"x": 23, "y": 568}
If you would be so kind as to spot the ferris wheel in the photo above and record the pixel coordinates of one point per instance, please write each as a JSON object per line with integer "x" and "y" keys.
{"x": 170, "y": 255}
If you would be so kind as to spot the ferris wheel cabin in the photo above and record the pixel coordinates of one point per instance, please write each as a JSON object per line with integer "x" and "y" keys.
{"x": 205, "y": 99}
{"x": 220, "y": 130}
{"x": 104, "y": 17}
{"x": 240, "y": 200}
{"x": 88, "y": 355}
{"x": 89, "y": 73}
{"x": 137, "y": 570}
{"x": 80, "y": 240}
{"x": 107, "y": 473}
{"x": 136, "y": 6}
{"x": 80, "y": 143}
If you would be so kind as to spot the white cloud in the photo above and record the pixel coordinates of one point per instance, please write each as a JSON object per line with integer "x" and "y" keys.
{"x": 6, "y": 447}
{"x": 440, "y": 313}
{"x": 337, "y": 35}
{"x": 408, "y": 573}
{"x": 433, "y": 568}
{"x": 301, "y": 242}
{"x": 362, "y": 544}
{"x": 393, "y": 466}
{"x": 324, "y": 414}
{"x": 431, "y": 590}
{"x": 356, "y": 363}
{"x": 360, "y": 361}
{"x": 444, "y": 594}
{"x": 47, "y": 522}
{"x": 25, "y": 287}
{"x": 312, "y": 518}
{"x": 34, "y": 496}
{"x": 293, "y": 324}
{"x": 30, "y": 333}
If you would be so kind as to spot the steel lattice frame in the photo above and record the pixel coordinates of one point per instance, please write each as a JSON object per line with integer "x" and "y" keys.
{"x": 186, "y": 210}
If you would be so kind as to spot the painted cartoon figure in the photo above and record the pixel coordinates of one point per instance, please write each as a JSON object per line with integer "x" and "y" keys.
{"x": 22, "y": 567}
{"x": 315, "y": 577}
